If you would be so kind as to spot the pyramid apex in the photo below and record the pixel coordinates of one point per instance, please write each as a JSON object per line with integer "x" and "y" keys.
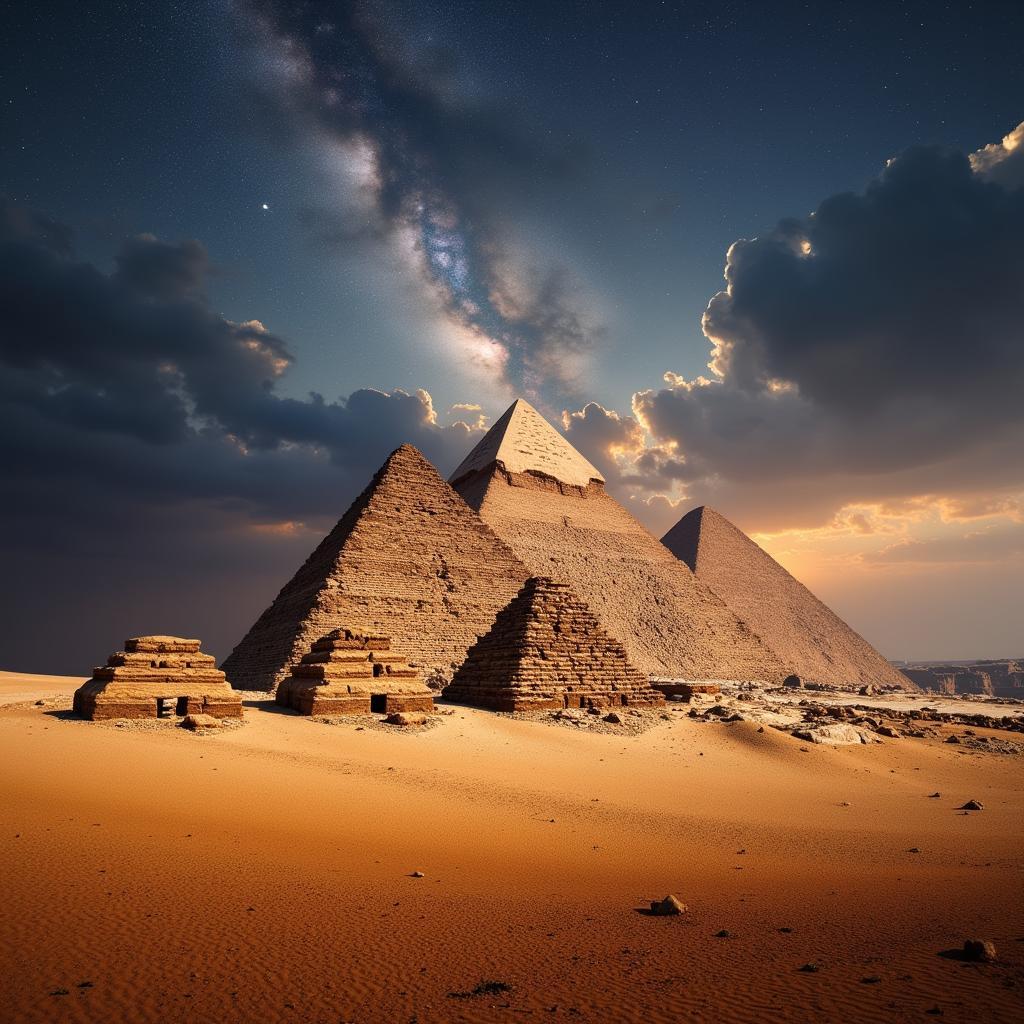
{"x": 522, "y": 441}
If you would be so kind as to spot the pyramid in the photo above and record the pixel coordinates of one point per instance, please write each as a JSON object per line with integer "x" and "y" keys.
{"x": 157, "y": 677}
{"x": 549, "y": 505}
{"x": 408, "y": 560}
{"x": 349, "y": 673}
{"x": 809, "y": 638}
{"x": 547, "y": 650}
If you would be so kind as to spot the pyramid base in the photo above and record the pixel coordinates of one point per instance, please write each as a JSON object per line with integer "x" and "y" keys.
{"x": 331, "y": 700}
{"x": 513, "y": 702}
{"x": 684, "y": 690}
{"x": 95, "y": 708}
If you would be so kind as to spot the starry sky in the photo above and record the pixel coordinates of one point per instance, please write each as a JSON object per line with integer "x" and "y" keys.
{"x": 248, "y": 248}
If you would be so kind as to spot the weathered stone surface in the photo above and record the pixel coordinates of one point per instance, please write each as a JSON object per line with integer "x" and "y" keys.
{"x": 199, "y": 722}
{"x": 408, "y": 561}
{"x": 566, "y": 527}
{"x": 668, "y": 907}
{"x": 810, "y": 640}
{"x": 834, "y": 735}
{"x": 157, "y": 676}
{"x": 366, "y": 677}
{"x": 547, "y": 650}
{"x": 406, "y": 718}
{"x": 980, "y": 951}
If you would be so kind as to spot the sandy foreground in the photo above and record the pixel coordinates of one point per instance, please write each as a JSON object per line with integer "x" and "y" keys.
{"x": 263, "y": 873}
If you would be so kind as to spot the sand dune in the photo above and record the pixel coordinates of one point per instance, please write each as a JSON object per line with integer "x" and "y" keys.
{"x": 263, "y": 873}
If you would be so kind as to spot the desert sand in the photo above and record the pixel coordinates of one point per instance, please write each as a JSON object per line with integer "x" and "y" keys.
{"x": 266, "y": 872}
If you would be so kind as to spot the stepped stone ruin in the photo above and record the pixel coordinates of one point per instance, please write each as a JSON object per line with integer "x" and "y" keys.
{"x": 408, "y": 560}
{"x": 157, "y": 677}
{"x": 347, "y": 673}
{"x": 544, "y": 500}
{"x": 547, "y": 650}
{"x": 810, "y": 640}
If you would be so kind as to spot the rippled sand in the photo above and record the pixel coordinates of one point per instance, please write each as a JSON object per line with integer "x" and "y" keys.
{"x": 263, "y": 873}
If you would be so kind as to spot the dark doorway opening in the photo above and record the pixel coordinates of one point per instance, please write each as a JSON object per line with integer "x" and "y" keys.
{"x": 378, "y": 703}
{"x": 182, "y": 708}
{"x": 164, "y": 707}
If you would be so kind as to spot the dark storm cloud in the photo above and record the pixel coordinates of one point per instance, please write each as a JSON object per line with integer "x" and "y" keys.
{"x": 143, "y": 435}
{"x": 882, "y": 335}
{"x": 447, "y": 172}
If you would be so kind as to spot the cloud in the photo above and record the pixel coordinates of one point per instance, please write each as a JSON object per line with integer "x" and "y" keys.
{"x": 142, "y": 435}
{"x": 445, "y": 181}
{"x": 1002, "y": 162}
{"x": 873, "y": 349}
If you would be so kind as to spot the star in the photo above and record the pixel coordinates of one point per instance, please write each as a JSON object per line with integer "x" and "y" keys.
{"x": 264, "y": 206}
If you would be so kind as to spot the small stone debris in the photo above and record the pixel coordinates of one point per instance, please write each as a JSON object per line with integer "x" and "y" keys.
{"x": 199, "y": 722}
{"x": 723, "y": 934}
{"x": 60, "y": 992}
{"x": 972, "y": 805}
{"x": 838, "y": 734}
{"x": 406, "y": 718}
{"x": 872, "y": 979}
{"x": 416, "y": 874}
{"x": 952, "y": 739}
{"x": 980, "y": 951}
{"x": 485, "y": 988}
{"x": 809, "y": 968}
{"x": 888, "y": 730}
{"x": 612, "y": 718}
{"x": 85, "y": 984}
{"x": 667, "y": 907}
{"x": 934, "y": 796}
{"x": 786, "y": 931}
{"x": 913, "y": 849}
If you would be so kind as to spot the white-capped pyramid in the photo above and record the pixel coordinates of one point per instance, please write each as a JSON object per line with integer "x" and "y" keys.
{"x": 522, "y": 441}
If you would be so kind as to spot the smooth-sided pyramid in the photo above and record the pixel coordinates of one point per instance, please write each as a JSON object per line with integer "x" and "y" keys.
{"x": 547, "y": 650}
{"x": 809, "y": 638}
{"x": 549, "y": 505}
{"x": 157, "y": 677}
{"x": 408, "y": 560}
{"x": 349, "y": 673}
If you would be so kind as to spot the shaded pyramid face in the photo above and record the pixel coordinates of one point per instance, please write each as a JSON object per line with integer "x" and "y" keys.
{"x": 408, "y": 560}
{"x": 547, "y": 650}
{"x": 809, "y": 638}
{"x": 549, "y": 505}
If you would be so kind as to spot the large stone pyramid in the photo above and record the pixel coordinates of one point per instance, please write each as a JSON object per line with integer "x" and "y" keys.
{"x": 408, "y": 560}
{"x": 547, "y": 650}
{"x": 549, "y": 505}
{"x": 809, "y": 638}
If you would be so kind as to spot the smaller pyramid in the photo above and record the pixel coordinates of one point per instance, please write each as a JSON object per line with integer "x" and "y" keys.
{"x": 157, "y": 677}
{"x": 546, "y": 649}
{"x": 810, "y": 640}
{"x": 348, "y": 673}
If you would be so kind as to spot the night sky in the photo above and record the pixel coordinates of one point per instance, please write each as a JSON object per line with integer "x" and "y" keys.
{"x": 248, "y": 249}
